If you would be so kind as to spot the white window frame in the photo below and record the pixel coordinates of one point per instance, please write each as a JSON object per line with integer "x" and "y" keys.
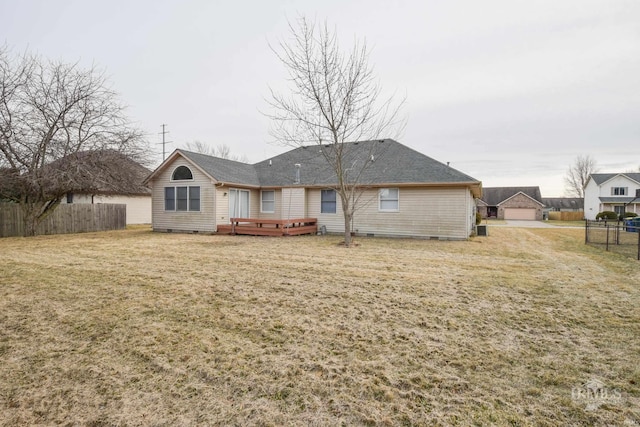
{"x": 165, "y": 198}
{"x": 262, "y": 200}
{"x": 238, "y": 193}
{"x": 175, "y": 198}
{"x": 181, "y": 180}
{"x": 397, "y": 199}
{"x": 614, "y": 190}
{"x": 335, "y": 193}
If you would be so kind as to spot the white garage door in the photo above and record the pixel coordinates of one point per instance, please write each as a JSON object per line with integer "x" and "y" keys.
{"x": 519, "y": 213}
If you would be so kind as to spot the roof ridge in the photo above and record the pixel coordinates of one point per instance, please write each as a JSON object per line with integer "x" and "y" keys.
{"x": 394, "y": 163}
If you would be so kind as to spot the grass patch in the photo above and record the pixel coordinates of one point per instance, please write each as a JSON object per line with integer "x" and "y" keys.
{"x": 134, "y": 327}
{"x": 560, "y": 223}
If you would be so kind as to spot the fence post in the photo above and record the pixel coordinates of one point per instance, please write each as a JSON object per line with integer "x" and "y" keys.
{"x": 586, "y": 231}
{"x": 638, "y": 232}
{"x": 607, "y": 245}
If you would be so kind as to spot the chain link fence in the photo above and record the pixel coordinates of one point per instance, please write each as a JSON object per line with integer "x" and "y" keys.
{"x": 622, "y": 237}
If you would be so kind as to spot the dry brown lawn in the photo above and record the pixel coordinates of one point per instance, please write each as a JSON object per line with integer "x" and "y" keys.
{"x": 140, "y": 328}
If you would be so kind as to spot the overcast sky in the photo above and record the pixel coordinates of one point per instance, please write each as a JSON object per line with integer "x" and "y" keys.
{"x": 509, "y": 91}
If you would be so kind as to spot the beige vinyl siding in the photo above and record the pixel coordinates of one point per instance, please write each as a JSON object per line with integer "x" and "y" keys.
{"x": 222, "y": 208}
{"x": 277, "y": 207}
{"x": 138, "y": 207}
{"x": 334, "y": 223}
{"x": 423, "y": 212}
{"x": 254, "y": 203}
{"x": 293, "y": 203}
{"x": 202, "y": 221}
{"x": 221, "y": 205}
{"x": 471, "y": 209}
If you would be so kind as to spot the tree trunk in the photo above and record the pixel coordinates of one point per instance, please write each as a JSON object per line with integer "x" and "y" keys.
{"x": 30, "y": 227}
{"x": 29, "y": 221}
{"x": 347, "y": 229}
{"x": 34, "y": 213}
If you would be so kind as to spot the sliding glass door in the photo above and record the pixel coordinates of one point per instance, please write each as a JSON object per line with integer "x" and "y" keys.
{"x": 238, "y": 203}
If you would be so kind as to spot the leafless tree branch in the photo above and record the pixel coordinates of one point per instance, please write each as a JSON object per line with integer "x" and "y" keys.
{"x": 222, "y": 151}
{"x": 49, "y": 113}
{"x": 335, "y": 99}
{"x": 578, "y": 174}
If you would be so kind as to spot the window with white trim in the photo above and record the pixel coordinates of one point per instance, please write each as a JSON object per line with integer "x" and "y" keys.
{"x": 619, "y": 191}
{"x": 182, "y": 173}
{"x": 328, "y": 201}
{"x": 169, "y": 198}
{"x": 268, "y": 201}
{"x": 182, "y": 198}
{"x": 389, "y": 200}
{"x": 194, "y": 198}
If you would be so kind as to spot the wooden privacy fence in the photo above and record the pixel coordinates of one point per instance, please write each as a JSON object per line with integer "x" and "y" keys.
{"x": 566, "y": 216}
{"x": 71, "y": 218}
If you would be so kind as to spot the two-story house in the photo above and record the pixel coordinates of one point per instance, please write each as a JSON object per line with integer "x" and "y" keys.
{"x": 611, "y": 192}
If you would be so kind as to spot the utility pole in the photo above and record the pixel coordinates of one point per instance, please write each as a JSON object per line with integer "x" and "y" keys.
{"x": 164, "y": 142}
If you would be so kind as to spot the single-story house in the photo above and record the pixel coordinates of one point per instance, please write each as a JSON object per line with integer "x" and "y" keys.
{"x": 616, "y": 192}
{"x": 563, "y": 204}
{"x": 114, "y": 178}
{"x": 404, "y": 192}
{"x": 511, "y": 203}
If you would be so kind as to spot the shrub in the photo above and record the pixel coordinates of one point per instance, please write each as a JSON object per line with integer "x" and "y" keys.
{"x": 478, "y": 218}
{"x": 630, "y": 214}
{"x": 607, "y": 215}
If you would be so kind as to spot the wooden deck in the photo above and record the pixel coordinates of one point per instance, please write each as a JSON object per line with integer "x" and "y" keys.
{"x": 270, "y": 227}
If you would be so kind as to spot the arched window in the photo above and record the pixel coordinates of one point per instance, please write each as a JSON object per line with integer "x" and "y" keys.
{"x": 181, "y": 173}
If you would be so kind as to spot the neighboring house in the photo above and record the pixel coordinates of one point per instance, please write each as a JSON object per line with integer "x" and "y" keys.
{"x": 563, "y": 204}
{"x": 138, "y": 205}
{"x": 611, "y": 192}
{"x": 511, "y": 203}
{"x": 121, "y": 182}
{"x": 405, "y": 193}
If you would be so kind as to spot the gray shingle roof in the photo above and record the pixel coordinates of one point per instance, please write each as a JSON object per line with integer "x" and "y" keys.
{"x": 617, "y": 199}
{"x": 599, "y": 178}
{"x": 224, "y": 170}
{"x": 493, "y": 196}
{"x": 563, "y": 202}
{"x": 392, "y": 163}
{"x": 389, "y": 162}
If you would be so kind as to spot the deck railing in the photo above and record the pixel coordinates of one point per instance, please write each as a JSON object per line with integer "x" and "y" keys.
{"x": 270, "y": 227}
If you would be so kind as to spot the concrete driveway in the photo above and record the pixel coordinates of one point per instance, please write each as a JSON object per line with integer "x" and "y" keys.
{"x": 527, "y": 224}
{"x": 523, "y": 224}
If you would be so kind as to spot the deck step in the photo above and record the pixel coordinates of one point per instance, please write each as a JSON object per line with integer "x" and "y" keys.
{"x": 257, "y": 227}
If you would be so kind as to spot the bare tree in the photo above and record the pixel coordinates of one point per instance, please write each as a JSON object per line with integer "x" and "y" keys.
{"x": 578, "y": 174}
{"x": 221, "y": 150}
{"x": 335, "y": 100}
{"x": 50, "y": 114}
